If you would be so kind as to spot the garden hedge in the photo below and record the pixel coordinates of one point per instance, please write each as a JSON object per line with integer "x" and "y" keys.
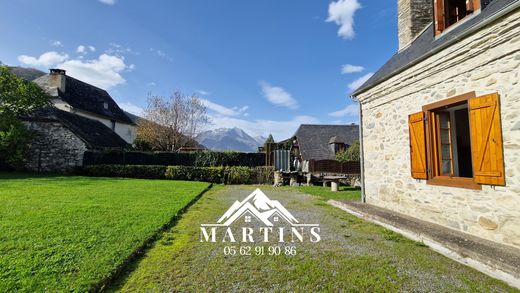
{"x": 198, "y": 159}
{"x": 221, "y": 175}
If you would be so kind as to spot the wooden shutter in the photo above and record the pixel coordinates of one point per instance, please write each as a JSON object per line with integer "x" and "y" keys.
{"x": 417, "y": 145}
{"x": 486, "y": 140}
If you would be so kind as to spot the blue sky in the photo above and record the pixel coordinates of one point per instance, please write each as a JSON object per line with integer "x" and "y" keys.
{"x": 264, "y": 66}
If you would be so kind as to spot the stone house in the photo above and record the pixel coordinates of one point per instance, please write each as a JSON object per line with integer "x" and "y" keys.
{"x": 439, "y": 121}
{"x": 61, "y": 138}
{"x": 75, "y": 96}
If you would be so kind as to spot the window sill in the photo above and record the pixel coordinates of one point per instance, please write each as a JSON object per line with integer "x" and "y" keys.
{"x": 458, "y": 182}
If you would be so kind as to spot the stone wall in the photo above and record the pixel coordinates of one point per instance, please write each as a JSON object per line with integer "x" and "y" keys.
{"x": 485, "y": 62}
{"x": 54, "y": 148}
{"x": 412, "y": 17}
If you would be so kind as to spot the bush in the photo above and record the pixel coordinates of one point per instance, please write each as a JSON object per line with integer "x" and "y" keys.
{"x": 349, "y": 155}
{"x": 14, "y": 139}
{"x": 225, "y": 175}
{"x": 129, "y": 171}
{"x": 219, "y": 175}
{"x": 198, "y": 159}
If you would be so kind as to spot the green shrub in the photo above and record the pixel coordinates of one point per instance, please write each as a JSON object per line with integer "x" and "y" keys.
{"x": 219, "y": 175}
{"x": 225, "y": 175}
{"x": 240, "y": 175}
{"x": 264, "y": 175}
{"x": 128, "y": 171}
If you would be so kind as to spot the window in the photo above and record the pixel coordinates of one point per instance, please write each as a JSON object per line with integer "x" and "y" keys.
{"x": 105, "y": 105}
{"x": 247, "y": 219}
{"x": 275, "y": 219}
{"x": 458, "y": 142}
{"x": 449, "y": 12}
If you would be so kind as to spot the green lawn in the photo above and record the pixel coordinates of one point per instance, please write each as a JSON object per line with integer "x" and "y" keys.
{"x": 70, "y": 233}
{"x": 353, "y": 256}
{"x": 344, "y": 192}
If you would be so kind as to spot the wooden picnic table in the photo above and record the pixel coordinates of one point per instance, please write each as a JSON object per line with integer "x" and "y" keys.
{"x": 334, "y": 181}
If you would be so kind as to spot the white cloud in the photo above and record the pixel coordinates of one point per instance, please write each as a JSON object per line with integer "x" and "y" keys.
{"x": 359, "y": 82}
{"x": 222, "y": 110}
{"x": 342, "y": 13}
{"x": 151, "y": 83}
{"x": 104, "y": 72}
{"x": 108, "y": 2}
{"x": 45, "y": 60}
{"x": 84, "y": 49}
{"x": 117, "y": 49}
{"x": 56, "y": 44}
{"x": 350, "y": 110}
{"x": 278, "y": 96}
{"x": 202, "y": 92}
{"x": 131, "y": 107}
{"x": 161, "y": 54}
{"x": 348, "y": 68}
{"x": 279, "y": 129}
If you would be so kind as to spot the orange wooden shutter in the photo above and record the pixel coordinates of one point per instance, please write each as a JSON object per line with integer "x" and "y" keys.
{"x": 417, "y": 145}
{"x": 486, "y": 140}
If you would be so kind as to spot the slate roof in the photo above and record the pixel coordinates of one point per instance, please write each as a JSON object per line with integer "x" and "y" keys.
{"x": 313, "y": 140}
{"x": 86, "y": 97}
{"x": 426, "y": 44}
{"x": 94, "y": 133}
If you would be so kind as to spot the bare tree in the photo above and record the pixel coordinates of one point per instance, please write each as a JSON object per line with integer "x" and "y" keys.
{"x": 172, "y": 123}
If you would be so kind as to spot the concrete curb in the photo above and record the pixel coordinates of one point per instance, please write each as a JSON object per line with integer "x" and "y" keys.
{"x": 435, "y": 245}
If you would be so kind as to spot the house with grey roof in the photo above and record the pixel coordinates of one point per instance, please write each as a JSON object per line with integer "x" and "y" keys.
{"x": 75, "y": 96}
{"x": 322, "y": 142}
{"x": 439, "y": 121}
{"x": 61, "y": 138}
{"x": 83, "y": 118}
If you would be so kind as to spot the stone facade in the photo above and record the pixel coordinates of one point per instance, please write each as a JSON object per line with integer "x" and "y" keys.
{"x": 54, "y": 148}
{"x": 485, "y": 62}
{"x": 413, "y": 16}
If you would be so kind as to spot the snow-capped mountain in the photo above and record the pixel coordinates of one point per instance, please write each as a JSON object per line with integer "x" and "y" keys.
{"x": 258, "y": 204}
{"x": 229, "y": 139}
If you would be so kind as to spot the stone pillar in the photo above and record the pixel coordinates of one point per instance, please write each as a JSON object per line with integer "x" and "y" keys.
{"x": 324, "y": 183}
{"x": 278, "y": 180}
{"x": 334, "y": 186}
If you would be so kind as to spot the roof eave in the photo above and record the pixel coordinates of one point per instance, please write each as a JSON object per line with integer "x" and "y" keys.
{"x": 511, "y": 7}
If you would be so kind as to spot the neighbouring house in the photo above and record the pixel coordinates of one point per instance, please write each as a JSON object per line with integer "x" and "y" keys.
{"x": 75, "y": 96}
{"x": 84, "y": 118}
{"x": 440, "y": 120}
{"x": 311, "y": 152}
{"x": 61, "y": 138}
{"x": 322, "y": 142}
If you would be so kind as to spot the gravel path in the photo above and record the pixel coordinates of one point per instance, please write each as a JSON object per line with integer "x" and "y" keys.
{"x": 353, "y": 255}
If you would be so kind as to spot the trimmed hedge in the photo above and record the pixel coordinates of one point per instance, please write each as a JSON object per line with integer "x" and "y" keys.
{"x": 198, "y": 159}
{"x": 225, "y": 175}
{"x": 220, "y": 175}
{"x": 128, "y": 171}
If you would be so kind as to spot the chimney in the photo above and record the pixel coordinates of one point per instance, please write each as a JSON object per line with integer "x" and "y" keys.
{"x": 412, "y": 17}
{"x": 57, "y": 79}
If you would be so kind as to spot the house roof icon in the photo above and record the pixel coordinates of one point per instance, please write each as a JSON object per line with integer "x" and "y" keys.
{"x": 258, "y": 205}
